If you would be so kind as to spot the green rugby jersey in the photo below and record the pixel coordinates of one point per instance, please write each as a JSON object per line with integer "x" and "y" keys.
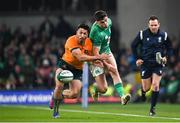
{"x": 101, "y": 37}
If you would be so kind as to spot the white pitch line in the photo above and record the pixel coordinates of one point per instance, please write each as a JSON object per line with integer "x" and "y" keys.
{"x": 107, "y": 113}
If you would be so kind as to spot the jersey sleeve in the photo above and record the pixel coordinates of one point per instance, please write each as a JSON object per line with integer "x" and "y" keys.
{"x": 136, "y": 46}
{"x": 71, "y": 44}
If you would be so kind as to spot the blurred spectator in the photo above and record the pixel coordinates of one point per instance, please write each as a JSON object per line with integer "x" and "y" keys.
{"x": 19, "y": 36}
{"x": 2, "y": 69}
{"x": 46, "y": 28}
{"x": 48, "y": 54}
{"x": 74, "y": 5}
{"x": 123, "y": 66}
{"x": 171, "y": 85}
{"x": 27, "y": 69}
{"x": 44, "y": 75}
{"x": 27, "y": 73}
{"x": 63, "y": 28}
{"x": 5, "y": 35}
{"x": 9, "y": 73}
{"x": 125, "y": 61}
{"x": 37, "y": 51}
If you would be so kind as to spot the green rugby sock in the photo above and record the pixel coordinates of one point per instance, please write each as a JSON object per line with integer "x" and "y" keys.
{"x": 119, "y": 88}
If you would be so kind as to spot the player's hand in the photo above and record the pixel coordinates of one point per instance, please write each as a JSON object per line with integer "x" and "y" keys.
{"x": 164, "y": 60}
{"x": 98, "y": 63}
{"x": 104, "y": 56}
{"x": 139, "y": 62}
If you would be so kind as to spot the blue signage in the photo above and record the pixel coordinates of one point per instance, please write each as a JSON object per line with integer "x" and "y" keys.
{"x": 25, "y": 97}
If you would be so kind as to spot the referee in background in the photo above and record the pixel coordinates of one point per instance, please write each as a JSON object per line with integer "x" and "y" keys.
{"x": 151, "y": 48}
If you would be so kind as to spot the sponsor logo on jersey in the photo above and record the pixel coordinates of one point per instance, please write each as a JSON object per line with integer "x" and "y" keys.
{"x": 159, "y": 39}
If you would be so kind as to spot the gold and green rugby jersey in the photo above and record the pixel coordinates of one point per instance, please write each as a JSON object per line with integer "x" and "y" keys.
{"x": 101, "y": 37}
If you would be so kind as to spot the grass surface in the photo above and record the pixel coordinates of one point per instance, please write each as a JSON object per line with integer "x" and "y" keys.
{"x": 94, "y": 113}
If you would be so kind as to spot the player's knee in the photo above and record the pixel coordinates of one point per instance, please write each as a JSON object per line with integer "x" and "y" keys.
{"x": 75, "y": 94}
{"x": 103, "y": 90}
{"x": 155, "y": 87}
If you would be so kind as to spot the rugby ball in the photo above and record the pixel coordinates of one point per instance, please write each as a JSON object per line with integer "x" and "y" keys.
{"x": 65, "y": 76}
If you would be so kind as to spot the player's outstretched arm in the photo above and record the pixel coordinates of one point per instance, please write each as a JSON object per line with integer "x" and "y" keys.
{"x": 83, "y": 57}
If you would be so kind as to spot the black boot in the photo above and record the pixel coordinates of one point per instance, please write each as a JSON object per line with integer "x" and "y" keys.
{"x": 152, "y": 112}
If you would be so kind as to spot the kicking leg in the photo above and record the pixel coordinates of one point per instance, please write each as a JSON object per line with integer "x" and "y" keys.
{"x": 118, "y": 81}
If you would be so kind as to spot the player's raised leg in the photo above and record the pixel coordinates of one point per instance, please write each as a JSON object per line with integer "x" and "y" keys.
{"x": 125, "y": 98}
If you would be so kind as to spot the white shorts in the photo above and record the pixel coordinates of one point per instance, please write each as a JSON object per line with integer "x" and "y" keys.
{"x": 96, "y": 71}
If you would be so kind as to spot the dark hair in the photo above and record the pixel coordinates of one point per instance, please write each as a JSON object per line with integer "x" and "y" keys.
{"x": 84, "y": 26}
{"x": 153, "y": 17}
{"x": 99, "y": 15}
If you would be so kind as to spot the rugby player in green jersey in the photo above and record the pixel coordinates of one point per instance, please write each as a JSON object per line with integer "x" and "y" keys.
{"x": 100, "y": 35}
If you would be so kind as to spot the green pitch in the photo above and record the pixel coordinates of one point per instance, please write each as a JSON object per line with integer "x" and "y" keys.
{"x": 94, "y": 113}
